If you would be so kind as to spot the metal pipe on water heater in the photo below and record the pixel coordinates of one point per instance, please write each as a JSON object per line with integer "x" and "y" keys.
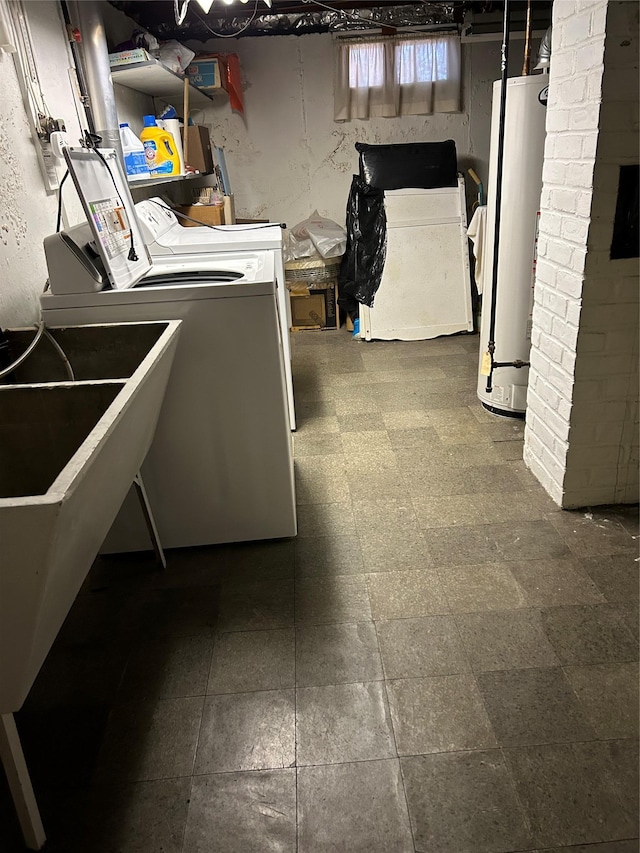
{"x": 491, "y": 346}
{"x": 94, "y": 54}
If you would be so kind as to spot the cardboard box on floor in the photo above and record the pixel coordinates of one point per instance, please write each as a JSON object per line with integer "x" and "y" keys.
{"x": 312, "y": 308}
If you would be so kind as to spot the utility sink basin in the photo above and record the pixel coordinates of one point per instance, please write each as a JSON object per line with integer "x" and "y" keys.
{"x": 69, "y": 451}
{"x": 94, "y": 352}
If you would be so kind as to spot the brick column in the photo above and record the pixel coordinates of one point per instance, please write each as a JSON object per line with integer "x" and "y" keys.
{"x": 581, "y": 435}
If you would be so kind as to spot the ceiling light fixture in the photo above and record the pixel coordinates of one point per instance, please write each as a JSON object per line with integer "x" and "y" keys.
{"x": 206, "y": 5}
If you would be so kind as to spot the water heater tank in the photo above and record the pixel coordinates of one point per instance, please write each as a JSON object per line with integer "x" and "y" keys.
{"x": 524, "y": 136}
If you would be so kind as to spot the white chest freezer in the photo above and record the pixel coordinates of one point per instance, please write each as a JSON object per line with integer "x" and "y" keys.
{"x": 425, "y": 289}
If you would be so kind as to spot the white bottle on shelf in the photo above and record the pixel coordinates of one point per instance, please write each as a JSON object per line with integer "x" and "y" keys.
{"x": 135, "y": 162}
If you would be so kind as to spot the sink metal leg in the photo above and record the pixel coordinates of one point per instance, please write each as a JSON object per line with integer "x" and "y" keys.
{"x": 24, "y": 799}
{"x": 149, "y": 520}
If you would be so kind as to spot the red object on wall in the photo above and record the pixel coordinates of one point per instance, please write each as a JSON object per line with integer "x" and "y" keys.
{"x": 232, "y": 80}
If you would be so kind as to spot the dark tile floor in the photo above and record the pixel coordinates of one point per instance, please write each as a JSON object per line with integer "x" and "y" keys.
{"x": 442, "y": 661}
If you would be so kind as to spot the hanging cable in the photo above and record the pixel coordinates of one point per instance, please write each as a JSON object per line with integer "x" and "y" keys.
{"x": 222, "y": 228}
{"x": 491, "y": 345}
{"x": 229, "y": 35}
{"x": 59, "y": 217}
{"x": 61, "y": 353}
{"x": 91, "y": 141}
{"x": 25, "y": 355}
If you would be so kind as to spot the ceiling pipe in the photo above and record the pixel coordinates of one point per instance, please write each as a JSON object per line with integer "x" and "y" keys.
{"x": 526, "y": 65}
{"x": 94, "y": 57}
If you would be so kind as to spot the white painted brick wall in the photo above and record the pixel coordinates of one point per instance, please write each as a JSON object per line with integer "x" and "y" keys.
{"x": 581, "y": 437}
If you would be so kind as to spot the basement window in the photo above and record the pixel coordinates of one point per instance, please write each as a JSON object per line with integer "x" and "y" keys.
{"x": 396, "y": 76}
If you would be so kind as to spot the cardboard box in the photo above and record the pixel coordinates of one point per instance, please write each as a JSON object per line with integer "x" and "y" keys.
{"x": 312, "y": 308}
{"x": 204, "y": 72}
{"x": 206, "y": 214}
{"x": 198, "y": 153}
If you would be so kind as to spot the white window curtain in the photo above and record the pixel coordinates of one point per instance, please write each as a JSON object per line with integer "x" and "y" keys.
{"x": 396, "y": 76}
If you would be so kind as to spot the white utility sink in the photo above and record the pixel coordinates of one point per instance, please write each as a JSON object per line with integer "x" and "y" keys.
{"x": 69, "y": 452}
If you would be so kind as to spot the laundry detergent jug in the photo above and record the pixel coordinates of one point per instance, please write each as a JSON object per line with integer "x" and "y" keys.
{"x": 159, "y": 149}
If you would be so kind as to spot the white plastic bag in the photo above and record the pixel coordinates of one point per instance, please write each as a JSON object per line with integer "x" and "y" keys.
{"x": 174, "y": 55}
{"x": 316, "y": 237}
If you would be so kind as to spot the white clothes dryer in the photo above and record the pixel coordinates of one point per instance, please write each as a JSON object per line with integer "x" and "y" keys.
{"x": 165, "y": 237}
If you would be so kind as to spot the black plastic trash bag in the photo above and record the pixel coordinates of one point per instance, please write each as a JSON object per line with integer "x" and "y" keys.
{"x": 363, "y": 262}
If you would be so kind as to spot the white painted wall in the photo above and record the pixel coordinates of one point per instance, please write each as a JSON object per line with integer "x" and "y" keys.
{"x": 287, "y": 156}
{"x": 28, "y": 210}
{"x": 581, "y": 438}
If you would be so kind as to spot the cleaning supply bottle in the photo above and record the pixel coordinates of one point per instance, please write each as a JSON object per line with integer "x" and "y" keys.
{"x": 135, "y": 162}
{"x": 159, "y": 149}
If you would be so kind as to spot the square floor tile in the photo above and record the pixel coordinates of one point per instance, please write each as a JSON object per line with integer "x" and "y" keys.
{"x": 317, "y": 443}
{"x": 358, "y": 808}
{"x": 361, "y": 423}
{"x": 512, "y": 639}
{"x": 609, "y": 695}
{"x": 387, "y": 482}
{"x": 179, "y": 612}
{"x": 587, "y": 535}
{"x": 342, "y": 723}
{"x": 392, "y": 552}
{"x": 249, "y": 812}
{"x": 397, "y": 595}
{"x": 137, "y": 817}
{"x": 259, "y": 561}
{"x": 555, "y": 581}
{"x": 460, "y": 510}
{"x": 439, "y": 714}
{"x": 531, "y": 706}
{"x": 335, "y": 654}
{"x": 615, "y": 575}
{"x": 247, "y": 731}
{"x": 632, "y": 846}
{"x": 570, "y": 793}
{"x": 488, "y": 586}
{"x": 413, "y": 648}
{"x": 453, "y": 546}
{"x": 150, "y": 740}
{"x": 385, "y": 516}
{"x": 339, "y": 598}
{"x": 328, "y": 555}
{"x": 253, "y": 660}
{"x": 588, "y": 634}
{"x": 321, "y": 480}
{"x": 409, "y": 419}
{"x": 255, "y": 606}
{"x": 187, "y": 567}
{"x": 416, "y": 437}
{"x": 629, "y": 612}
{"x": 354, "y": 442}
{"x": 463, "y": 802}
{"x": 167, "y": 669}
{"x": 326, "y": 519}
{"x": 529, "y": 540}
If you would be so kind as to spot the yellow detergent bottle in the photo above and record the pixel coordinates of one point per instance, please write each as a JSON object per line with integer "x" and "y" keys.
{"x": 159, "y": 149}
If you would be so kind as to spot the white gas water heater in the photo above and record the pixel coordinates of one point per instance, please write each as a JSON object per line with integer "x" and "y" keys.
{"x": 523, "y": 154}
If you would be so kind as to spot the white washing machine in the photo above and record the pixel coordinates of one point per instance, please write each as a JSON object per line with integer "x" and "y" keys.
{"x": 220, "y": 468}
{"x": 165, "y": 237}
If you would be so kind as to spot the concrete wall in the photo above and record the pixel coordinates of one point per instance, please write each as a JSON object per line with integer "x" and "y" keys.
{"x": 28, "y": 211}
{"x": 287, "y": 156}
{"x": 581, "y": 438}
